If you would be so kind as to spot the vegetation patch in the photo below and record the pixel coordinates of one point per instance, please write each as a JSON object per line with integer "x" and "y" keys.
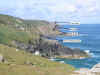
{"x": 23, "y": 63}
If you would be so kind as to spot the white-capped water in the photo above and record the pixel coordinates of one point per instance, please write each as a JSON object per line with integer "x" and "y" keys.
{"x": 90, "y": 36}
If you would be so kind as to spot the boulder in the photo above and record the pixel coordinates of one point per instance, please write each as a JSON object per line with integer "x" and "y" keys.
{"x": 96, "y": 68}
{"x": 1, "y": 58}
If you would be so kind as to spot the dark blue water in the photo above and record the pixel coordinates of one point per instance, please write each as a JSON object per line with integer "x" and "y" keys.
{"x": 90, "y": 41}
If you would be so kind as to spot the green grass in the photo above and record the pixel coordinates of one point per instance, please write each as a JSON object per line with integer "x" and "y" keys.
{"x": 15, "y": 64}
{"x": 7, "y": 35}
{"x": 16, "y": 60}
{"x": 9, "y": 32}
{"x": 10, "y": 20}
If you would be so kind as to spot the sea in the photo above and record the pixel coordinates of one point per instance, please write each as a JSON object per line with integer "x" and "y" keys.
{"x": 90, "y": 36}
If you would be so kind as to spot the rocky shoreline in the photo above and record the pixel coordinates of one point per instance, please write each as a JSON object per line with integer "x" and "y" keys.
{"x": 29, "y": 35}
{"x": 50, "y": 48}
{"x": 25, "y": 45}
{"x": 95, "y": 70}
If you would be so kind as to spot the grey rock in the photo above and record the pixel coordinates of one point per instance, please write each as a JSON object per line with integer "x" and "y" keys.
{"x": 1, "y": 58}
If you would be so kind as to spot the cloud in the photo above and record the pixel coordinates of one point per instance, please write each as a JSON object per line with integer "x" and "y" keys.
{"x": 64, "y": 7}
{"x": 51, "y": 9}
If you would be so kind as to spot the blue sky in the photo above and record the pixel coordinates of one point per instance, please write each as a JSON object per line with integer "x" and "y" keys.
{"x": 85, "y": 11}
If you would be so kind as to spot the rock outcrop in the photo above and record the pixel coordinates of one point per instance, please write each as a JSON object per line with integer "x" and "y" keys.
{"x": 1, "y": 58}
{"x": 95, "y": 70}
{"x": 50, "y": 48}
{"x": 28, "y": 35}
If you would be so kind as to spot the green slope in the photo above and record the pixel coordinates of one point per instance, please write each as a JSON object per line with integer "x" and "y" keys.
{"x": 23, "y": 63}
{"x": 11, "y": 28}
{"x": 8, "y": 34}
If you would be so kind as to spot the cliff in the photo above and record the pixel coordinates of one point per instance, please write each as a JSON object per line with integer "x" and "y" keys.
{"x": 29, "y": 36}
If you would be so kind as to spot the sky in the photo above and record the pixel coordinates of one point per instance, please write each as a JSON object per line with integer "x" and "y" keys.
{"x": 85, "y": 11}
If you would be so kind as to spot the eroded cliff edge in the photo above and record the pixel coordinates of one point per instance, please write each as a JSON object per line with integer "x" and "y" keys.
{"x": 29, "y": 36}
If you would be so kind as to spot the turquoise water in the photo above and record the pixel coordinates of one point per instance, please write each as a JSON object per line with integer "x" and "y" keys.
{"x": 90, "y": 41}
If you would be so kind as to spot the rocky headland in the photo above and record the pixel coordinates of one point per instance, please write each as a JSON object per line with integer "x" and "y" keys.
{"x": 25, "y": 46}
{"x": 29, "y": 35}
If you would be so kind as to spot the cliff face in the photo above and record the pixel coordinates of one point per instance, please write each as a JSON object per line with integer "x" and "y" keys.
{"x": 50, "y": 48}
{"x": 28, "y": 35}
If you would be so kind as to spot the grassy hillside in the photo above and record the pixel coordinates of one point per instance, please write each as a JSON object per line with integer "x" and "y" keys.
{"x": 12, "y": 28}
{"x": 10, "y": 20}
{"x": 23, "y": 63}
{"x": 26, "y": 34}
{"x": 19, "y": 62}
{"x": 8, "y": 34}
